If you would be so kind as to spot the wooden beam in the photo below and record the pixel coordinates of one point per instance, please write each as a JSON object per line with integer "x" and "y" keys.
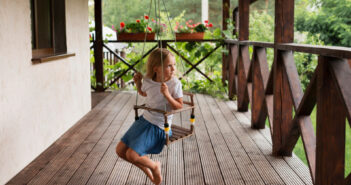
{"x": 330, "y": 158}
{"x": 98, "y": 45}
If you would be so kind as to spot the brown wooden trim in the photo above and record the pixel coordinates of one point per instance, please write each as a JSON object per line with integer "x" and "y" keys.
{"x": 51, "y": 58}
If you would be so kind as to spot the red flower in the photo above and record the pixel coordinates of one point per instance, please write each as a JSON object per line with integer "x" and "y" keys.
{"x": 150, "y": 29}
{"x": 122, "y": 24}
{"x": 210, "y": 25}
{"x": 206, "y": 21}
{"x": 146, "y": 17}
{"x": 138, "y": 21}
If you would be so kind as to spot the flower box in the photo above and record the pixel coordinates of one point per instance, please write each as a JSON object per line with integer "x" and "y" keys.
{"x": 135, "y": 36}
{"x": 190, "y": 36}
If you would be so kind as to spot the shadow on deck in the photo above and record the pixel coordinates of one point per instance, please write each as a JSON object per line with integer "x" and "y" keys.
{"x": 224, "y": 150}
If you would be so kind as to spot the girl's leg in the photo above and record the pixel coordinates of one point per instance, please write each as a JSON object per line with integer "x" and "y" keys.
{"x": 155, "y": 167}
{"x": 121, "y": 151}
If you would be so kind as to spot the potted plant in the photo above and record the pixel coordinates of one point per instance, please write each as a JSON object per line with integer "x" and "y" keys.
{"x": 191, "y": 31}
{"x": 137, "y": 30}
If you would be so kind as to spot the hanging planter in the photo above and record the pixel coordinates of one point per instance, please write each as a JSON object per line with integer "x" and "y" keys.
{"x": 190, "y": 36}
{"x": 135, "y": 36}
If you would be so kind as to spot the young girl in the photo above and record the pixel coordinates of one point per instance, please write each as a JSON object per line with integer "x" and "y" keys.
{"x": 146, "y": 135}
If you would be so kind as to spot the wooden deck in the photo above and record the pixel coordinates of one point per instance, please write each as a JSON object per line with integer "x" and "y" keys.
{"x": 224, "y": 150}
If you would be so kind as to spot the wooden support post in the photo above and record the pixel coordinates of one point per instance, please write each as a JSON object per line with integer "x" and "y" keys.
{"x": 282, "y": 103}
{"x": 225, "y": 16}
{"x": 98, "y": 47}
{"x": 244, "y": 12}
{"x": 331, "y": 117}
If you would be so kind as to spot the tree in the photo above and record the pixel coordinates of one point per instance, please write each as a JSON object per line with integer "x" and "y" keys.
{"x": 329, "y": 19}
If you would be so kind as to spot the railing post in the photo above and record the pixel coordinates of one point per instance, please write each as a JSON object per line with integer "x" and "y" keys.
{"x": 282, "y": 103}
{"x": 244, "y": 58}
{"x": 98, "y": 47}
{"x": 331, "y": 117}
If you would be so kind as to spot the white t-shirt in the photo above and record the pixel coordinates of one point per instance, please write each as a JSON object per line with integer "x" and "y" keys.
{"x": 156, "y": 100}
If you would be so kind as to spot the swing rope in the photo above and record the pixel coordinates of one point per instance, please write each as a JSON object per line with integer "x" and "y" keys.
{"x": 178, "y": 131}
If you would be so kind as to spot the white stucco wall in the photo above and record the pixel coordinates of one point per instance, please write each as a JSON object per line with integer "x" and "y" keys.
{"x": 38, "y": 103}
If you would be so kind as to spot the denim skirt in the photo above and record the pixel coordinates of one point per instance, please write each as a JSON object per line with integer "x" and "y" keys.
{"x": 144, "y": 137}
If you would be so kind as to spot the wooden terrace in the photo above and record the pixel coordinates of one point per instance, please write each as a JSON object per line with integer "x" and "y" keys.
{"x": 224, "y": 150}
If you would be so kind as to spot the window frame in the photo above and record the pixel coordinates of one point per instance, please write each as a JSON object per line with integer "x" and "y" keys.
{"x": 57, "y": 17}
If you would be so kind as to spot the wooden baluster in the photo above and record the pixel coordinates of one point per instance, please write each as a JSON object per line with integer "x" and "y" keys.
{"x": 233, "y": 58}
{"x": 260, "y": 74}
{"x": 243, "y": 70}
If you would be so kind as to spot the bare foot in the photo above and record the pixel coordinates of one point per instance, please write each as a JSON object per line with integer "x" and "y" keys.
{"x": 156, "y": 172}
{"x": 148, "y": 172}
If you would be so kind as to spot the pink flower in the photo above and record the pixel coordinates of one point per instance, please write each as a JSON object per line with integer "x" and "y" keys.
{"x": 113, "y": 27}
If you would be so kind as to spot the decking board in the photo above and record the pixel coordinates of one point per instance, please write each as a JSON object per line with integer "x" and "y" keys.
{"x": 224, "y": 150}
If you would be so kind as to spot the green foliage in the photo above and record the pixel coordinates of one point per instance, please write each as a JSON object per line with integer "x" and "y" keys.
{"x": 329, "y": 19}
{"x": 200, "y": 28}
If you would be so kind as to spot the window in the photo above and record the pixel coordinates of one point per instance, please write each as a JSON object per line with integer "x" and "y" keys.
{"x": 48, "y": 28}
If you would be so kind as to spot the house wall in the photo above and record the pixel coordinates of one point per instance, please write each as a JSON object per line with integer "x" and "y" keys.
{"x": 38, "y": 103}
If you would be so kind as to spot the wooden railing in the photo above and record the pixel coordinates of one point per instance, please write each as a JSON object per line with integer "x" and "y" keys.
{"x": 277, "y": 93}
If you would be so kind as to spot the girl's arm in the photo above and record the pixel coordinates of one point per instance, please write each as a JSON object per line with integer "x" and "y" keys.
{"x": 175, "y": 103}
{"x": 137, "y": 79}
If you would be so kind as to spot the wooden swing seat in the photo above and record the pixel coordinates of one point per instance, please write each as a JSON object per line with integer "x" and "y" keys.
{"x": 178, "y": 132}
